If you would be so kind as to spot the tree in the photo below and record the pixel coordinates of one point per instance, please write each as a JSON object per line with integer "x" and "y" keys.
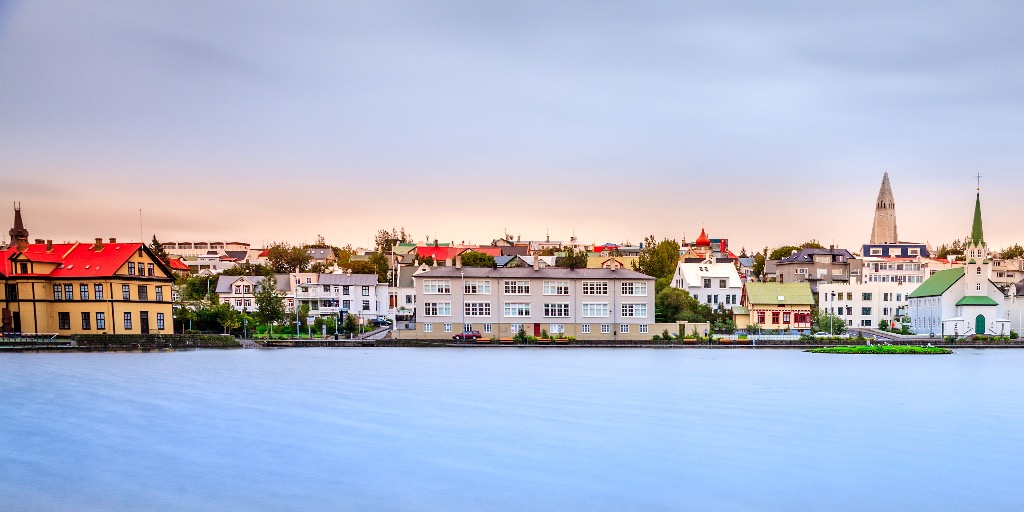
{"x": 820, "y": 322}
{"x": 248, "y": 269}
{"x": 227, "y": 316}
{"x": 573, "y": 259}
{"x": 955, "y": 248}
{"x": 758, "y": 265}
{"x": 477, "y": 259}
{"x": 427, "y": 260}
{"x": 319, "y": 243}
{"x": 158, "y": 250}
{"x": 195, "y": 288}
{"x": 812, "y": 244}
{"x": 783, "y": 252}
{"x": 380, "y": 266}
{"x": 350, "y": 324}
{"x": 658, "y": 259}
{"x": 386, "y": 240}
{"x": 285, "y": 258}
{"x": 675, "y": 305}
{"x": 303, "y": 315}
{"x": 344, "y": 254}
{"x": 360, "y": 267}
{"x": 743, "y": 252}
{"x": 269, "y": 302}
{"x": 1014, "y": 251}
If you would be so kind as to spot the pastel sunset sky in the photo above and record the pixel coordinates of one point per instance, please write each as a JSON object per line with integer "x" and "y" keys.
{"x": 764, "y": 122}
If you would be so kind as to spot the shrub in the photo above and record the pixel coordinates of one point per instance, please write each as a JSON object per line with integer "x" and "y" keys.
{"x": 571, "y": 338}
{"x": 544, "y": 333}
{"x": 520, "y": 336}
{"x": 1014, "y": 335}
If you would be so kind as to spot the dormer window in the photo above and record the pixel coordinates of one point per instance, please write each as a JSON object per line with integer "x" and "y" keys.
{"x": 23, "y": 268}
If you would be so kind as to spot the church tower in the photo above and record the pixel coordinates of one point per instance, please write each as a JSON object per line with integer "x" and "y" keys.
{"x": 19, "y": 235}
{"x": 979, "y": 268}
{"x": 884, "y": 229}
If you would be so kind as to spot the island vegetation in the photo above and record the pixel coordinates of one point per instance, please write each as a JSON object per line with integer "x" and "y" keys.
{"x": 880, "y": 349}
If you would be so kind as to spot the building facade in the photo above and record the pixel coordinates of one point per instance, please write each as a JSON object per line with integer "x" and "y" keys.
{"x": 817, "y": 266}
{"x": 583, "y": 303}
{"x": 775, "y": 306}
{"x": 713, "y": 281}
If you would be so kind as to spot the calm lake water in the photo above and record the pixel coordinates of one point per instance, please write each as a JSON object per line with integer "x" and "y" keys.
{"x": 511, "y": 429}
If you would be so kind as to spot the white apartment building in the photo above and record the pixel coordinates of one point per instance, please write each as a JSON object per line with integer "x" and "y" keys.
{"x": 583, "y": 303}
{"x": 240, "y": 291}
{"x": 344, "y": 294}
{"x": 711, "y": 281}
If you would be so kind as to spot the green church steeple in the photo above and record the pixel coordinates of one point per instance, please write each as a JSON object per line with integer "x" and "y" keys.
{"x": 977, "y": 233}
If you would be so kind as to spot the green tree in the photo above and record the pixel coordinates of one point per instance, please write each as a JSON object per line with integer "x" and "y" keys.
{"x": 675, "y": 305}
{"x": 573, "y": 259}
{"x": 812, "y": 244}
{"x": 477, "y": 259}
{"x": 269, "y": 302}
{"x": 386, "y": 240}
{"x": 344, "y": 254}
{"x": 380, "y": 266}
{"x": 195, "y": 288}
{"x": 361, "y": 266}
{"x": 158, "y": 250}
{"x": 954, "y": 248}
{"x": 227, "y": 316}
{"x": 820, "y": 322}
{"x": 427, "y": 260}
{"x": 783, "y": 252}
{"x": 759, "y": 265}
{"x": 658, "y": 259}
{"x": 304, "y": 315}
{"x": 1014, "y": 251}
{"x": 248, "y": 269}
{"x": 285, "y": 258}
{"x": 350, "y": 324}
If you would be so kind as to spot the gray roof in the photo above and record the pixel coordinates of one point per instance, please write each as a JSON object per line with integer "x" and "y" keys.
{"x": 348, "y": 280}
{"x": 321, "y": 254}
{"x": 527, "y": 272}
{"x": 501, "y": 261}
{"x": 224, "y": 282}
{"x": 807, "y": 255}
{"x": 516, "y": 250}
{"x": 1020, "y": 287}
{"x": 238, "y": 255}
{"x": 747, "y": 262}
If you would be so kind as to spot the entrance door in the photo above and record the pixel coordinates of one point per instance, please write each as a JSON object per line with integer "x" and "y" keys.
{"x": 144, "y": 321}
{"x": 16, "y": 317}
{"x": 979, "y": 324}
{"x": 536, "y": 330}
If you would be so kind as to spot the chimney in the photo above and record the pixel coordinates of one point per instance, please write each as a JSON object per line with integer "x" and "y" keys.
{"x": 458, "y": 261}
{"x": 447, "y": 262}
{"x": 536, "y": 262}
{"x": 39, "y": 240}
{"x": 113, "y": 240}
{"x": 99, "y": 245}
{"x": 49, "y": 246}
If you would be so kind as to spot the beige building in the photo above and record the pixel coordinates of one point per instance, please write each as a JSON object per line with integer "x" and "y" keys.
{"x": 598, "y": 304}
{"x": 76, "y": 288}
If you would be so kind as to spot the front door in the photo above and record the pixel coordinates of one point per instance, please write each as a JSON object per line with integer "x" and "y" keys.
{"x": 536, "y": 330}
{"x": 979, "y": 324}
{"x": 144, "y": 322}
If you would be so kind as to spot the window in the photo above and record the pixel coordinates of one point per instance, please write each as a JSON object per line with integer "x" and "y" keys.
{"x": 557, "y": 329}
{"x": 238, "y": 302}
{"x": 23, "y": 268}
{"x": 127, "y": 321}
{"x": 624, "y": 328}
{"x": 866, "y": 296}
{"x": 517, "y": 287}
{"x": 248, "y": 303}
{"x": 346, "y": 304}
{"x": 556, "y": 309}
{"x": 97, "y": 291}
{"x": 478, "y": 288}
{"x": 428, "y": 327}
{"x": 707, "y": 283}
{"x": 979, "y": 271}
{"x": 643, "y": 328}
{"x": 83, "y": 291}
{"x": 488, "y": 328}
{"x": 595, "y": 310}
{"x": 366, "y": 305}
{"x": 556, "y": 287}
{"x": 786, "y": 317}
{"x": 309, "y": 280}
{"x": 11, "y": 291}
{"x": 634, "y": 310}
{"x": 366, "y": 291}
{"x": 629, "y": 288}
{"x": 160, "y": 293}
{"x": 101, "y": 320}
{"x": 160, "y": 321}
{"x": 722, "y": 283}
{"x": 515, "y": 328}
{"x": 801, "y": 271}
{"x": 435, "y": 286}
{"x": 760, "y": 317}
{"x": 131, "y": 268}
{"x": 437, "y": 308}
{"x": 238, "y": 288}
{"x": 69, "y": 293}
{"x": 64, "y": 320}
{"x": 478, "y": 309}
{"x": 447, "y": 327}
{"x": 595, "y": 287}
{"x": 865, "y": 323}
{"x": 775, "y": 317}
{"x": 345, "y": 289}
{"x": 126, "y": 292}
{"x": 86, "y": 321}
{"x": 149, "y": 269}
{"x": 585, "y": 328}
{"x": 513, "y": 309}
{"x": 247, "y": 288}
{"x": 57, "y": 294}
{"x": 865, "y": 311}
{"x": 978, "y": 287}
{"x": 606, "y": 328}
{"x": 143, "y": 292}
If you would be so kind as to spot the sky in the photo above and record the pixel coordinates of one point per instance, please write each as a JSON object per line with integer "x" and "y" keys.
{"x": 767, "y": 123}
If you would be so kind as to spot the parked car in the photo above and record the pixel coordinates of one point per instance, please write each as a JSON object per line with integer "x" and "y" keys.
{"x": 822, "y": 334}
{"x": 468, "y": 335}
{"x": 380, "y": 322}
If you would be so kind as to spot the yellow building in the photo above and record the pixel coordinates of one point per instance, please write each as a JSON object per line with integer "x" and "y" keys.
{"x": 75, "y": 288}
{"x": 784, "y": 306}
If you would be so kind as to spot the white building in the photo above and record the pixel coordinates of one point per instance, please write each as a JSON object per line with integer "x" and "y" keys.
{"x": 711, "y": 281}
{"x": 962, "y": 301}
{"x": 331, "y": 294}
{"x": 240, "y": 291}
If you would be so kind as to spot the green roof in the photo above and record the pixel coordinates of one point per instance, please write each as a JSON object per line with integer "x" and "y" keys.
{"x": 977, "y": 300}
{"x": 977, "y": 233}
{"x": 740, "y": 310}
{"x": 790, "y": 294}
{"x": 938, "y": 283}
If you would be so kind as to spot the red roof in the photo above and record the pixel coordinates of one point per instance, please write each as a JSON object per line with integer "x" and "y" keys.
{"x": 703, "y": 240}
{"x": 75, "y": 260}
{"x": 177, "y": 264}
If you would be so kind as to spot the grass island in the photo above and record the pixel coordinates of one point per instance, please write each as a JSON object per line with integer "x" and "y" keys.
{"x": 881, "y": 349}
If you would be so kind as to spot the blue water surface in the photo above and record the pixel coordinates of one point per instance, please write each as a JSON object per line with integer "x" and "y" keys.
{"x": 511, "y": 429}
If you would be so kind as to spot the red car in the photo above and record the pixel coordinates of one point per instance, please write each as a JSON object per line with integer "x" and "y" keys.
{"x": 468, "y": 335}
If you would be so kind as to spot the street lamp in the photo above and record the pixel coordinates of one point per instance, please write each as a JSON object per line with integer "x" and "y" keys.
{"x": 245, "y": 325}
{"x": 831, "y": 312}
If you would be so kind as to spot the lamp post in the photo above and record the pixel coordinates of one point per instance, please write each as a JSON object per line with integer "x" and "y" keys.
{"x": 831, "y": 312}
{"x": 245, "y": 325}
{"x": 463, "y": 273}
